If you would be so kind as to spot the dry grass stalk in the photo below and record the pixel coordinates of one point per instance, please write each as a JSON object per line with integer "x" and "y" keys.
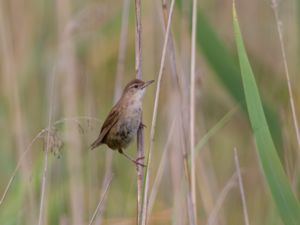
{"x": 171, "y": 49}
{"x": 190, "y": 210}
{"x": 161, "y": 168}
{"x": 192, "y": 111}
{"x": 290, "y": 91}
{"x": 154, "y": 117}
{"x": 238, "y": 171}
{"x": 122, "y": 50}
{"x": 286, "y": 68}
{"x": 23, "y": 156}
{"x": 140, "y": 133}
{"x": 99, "y": 207}
{"x": 9, "y": 66}
{"x": 44, "y": 178}
{"x": 180, "y": 99}
{"x": 138, "y": 39}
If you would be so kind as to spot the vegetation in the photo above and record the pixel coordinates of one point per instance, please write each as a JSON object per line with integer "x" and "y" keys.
{"x": 230, "y": 157}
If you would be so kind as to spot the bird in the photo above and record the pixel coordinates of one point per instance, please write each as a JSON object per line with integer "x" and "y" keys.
{"x": 123, "y": 121}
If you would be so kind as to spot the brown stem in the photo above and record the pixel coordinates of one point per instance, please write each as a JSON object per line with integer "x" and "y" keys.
{"x": 140, "y": 134}
{"x": 138, "y": 40}
{"x": 154, "y": 116}
{"x": 179, "y": 96}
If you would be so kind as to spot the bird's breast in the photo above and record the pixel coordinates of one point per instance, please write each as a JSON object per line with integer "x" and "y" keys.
{"x": 126, "y": 128}
{"x": 131, "y": 119}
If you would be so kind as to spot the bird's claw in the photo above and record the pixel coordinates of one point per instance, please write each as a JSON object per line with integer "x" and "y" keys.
{"x": 142, "y": 126}
{"x": 138, "y": 163}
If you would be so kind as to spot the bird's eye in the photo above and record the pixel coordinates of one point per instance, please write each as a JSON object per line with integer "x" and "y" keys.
{"x": 136, "y": 86}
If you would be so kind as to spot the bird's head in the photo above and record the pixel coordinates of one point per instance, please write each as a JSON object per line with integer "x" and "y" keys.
{"x": 136, "y": 88}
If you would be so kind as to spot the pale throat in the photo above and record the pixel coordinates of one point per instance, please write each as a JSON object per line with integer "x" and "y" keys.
{"x": 135, "y": 100}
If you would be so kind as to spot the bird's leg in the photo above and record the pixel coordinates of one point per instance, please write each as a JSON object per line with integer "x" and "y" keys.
{"x": 136, "y": 162}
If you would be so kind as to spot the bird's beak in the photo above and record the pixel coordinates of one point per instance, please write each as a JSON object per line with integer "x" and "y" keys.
{"x": 147, "y": 83}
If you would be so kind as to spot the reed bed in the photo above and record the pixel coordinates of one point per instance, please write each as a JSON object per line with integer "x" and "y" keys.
{"x": 221, "y": 135}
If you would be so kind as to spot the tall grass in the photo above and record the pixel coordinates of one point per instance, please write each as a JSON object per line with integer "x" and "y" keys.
{"x": 140, "y": 133}
{"x": 154, "y": 118}
{"x": 285, "y": 200}
{"x": 192, "y": 111}
{"x": 194, "y": 118}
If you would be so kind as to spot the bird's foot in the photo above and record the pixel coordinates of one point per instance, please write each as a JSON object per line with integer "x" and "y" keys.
{"x": 136, "y": 161}
{"x": 142, "y": 126}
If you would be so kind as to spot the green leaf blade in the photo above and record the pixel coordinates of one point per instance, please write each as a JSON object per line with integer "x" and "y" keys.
{"x": 287, "y": 204}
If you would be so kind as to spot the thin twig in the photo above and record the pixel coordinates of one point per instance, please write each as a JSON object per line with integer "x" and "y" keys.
{"x": 238, "y": 171}
{"x": 140, "y": 133}
{"x": 192, "y": 111}
{"x": 154, "y": 117}
{"x": 44, "y": 179}
{"x": 98, "y": 209}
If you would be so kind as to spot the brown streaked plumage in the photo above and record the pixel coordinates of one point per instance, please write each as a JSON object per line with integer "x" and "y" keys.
{"x": 123, "y": 121}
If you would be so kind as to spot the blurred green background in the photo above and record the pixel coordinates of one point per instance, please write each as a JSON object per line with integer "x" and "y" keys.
{"x": 66, "y": 60}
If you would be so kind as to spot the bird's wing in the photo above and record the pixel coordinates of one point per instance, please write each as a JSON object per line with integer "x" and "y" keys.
{"x": 110, "y": 121}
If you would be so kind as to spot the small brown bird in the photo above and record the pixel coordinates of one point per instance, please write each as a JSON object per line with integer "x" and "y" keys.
{"x": 123, "y": 121}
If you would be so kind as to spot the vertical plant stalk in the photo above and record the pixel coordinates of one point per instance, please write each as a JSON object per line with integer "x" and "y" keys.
{"x": 171, "y": 50}
{"x": 140, "y": 133}
{"x": 118, "y": 90}
{"x": 138, "y": 40}
{"x": 17, "y": 127}
{"x": 70, "y": 97}
{"x": 290, "y": 91}
{"x": 122, "y": 50}
{"x": 286, "y": 69}
{"x": 179, "y": 99}
{"x": 45, "y": 171}
{"x": 191, "y": 212}
{"x": 154, "y": 117}
{"x": 192, "y": 110}
{"x": 238, "y": 171}
{"x": 161, "y": 168}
